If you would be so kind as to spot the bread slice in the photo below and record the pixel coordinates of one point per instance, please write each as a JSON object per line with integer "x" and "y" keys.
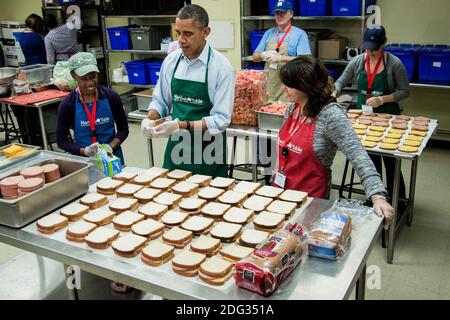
{"x": 157, "y": 253}
{"x": 223, "y": 183}
{"x": 298, "y": 197}
{"x": 79, "y": 230}
{"x": 268, "y": 221}
{"x": 52, "y": 223}
{"x": 177, "y": 237}
{"x": 206, "y": 245}
{"x": 174, "y": 218}
{"x": 100, "y": 217}
{"x": 210, "y": 193}
{"x": 215, "y": 267}
{"x": 234, "y": 252}
{"x": 233, "y": 198}
{"x": 128, "y": 190}
{"x": 215, "y": 210}
{"x": 282, "y": 207}
{"x": 213, "y": 280}
{"x": 192, "y": 205}
{"x": 149, "y": 228}
{"x": 163, "y": 183}
{"x": 269, "y": 192}
{"x": 124, "y": 204}
{"x": 143, "y": 180}
{"x": 94, "y": 200}
{"x": 146, "y": 195}
{"x": 179, "y": 175}
{"x": 186, "y": 189}
{"x": 257, "y": 203}
{"x": 201, "y": 180}
{"x": 156, "y": 172}
{"x": 198, "y": 225}
{"x": 101, "y": 238}
{"x": 168, "y": 199}
{"x": 153, "y": 210}
{"x": 238, "y": 215}
{"x": 247, "y": 187}
{"x": 108, "y": 186}
{"x": 226, "y": 232}
{"x": 129, "y": 246}
{"x": 125, "y": 220}
{"x": 251, "y": 237}
{"x": 186, "y": 261}
{"x": 74, "y": 211}
{"x": 125, "y": 176}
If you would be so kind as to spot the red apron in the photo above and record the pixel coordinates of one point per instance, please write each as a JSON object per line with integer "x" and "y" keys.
{"x": 302, "y": 169}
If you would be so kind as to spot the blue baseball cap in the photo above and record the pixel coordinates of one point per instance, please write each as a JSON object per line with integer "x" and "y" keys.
{"x": 374, "y": 37}
{"x": 283, "y": 6}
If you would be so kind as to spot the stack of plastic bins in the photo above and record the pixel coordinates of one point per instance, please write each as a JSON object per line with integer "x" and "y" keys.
{"x": 434, "y": 65}
{"x": 408, "y": 55}
{"x": 137, "y": 73}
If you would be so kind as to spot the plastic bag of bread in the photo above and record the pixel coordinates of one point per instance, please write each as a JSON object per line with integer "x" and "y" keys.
{"x": 272, "y": 260}
{"x": 330, "y": 236}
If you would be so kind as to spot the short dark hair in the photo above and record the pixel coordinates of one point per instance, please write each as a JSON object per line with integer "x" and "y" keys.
{"x": 50, "y": 21}
{"x": 35, "y": 22}
{"x": 309, "y": 75}
{"x": 193, "y": 11}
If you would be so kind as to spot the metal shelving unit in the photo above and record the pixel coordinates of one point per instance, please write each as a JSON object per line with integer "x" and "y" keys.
{"x": 429, "y": 86}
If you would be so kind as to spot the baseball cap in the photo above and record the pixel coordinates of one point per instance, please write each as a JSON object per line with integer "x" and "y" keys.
{"x": 83, "y": 63}
{"x": 282, "y": 6}
{"x": 374, "y": 37}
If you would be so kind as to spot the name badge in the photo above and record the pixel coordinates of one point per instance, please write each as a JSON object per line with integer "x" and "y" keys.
{"x": 366, "y": 108}
{"x": 273, "y": 66}
{"x": 280, "y": 179}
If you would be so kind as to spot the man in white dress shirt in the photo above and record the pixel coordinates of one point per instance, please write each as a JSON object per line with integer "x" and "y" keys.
{"x": 196, "y": 86}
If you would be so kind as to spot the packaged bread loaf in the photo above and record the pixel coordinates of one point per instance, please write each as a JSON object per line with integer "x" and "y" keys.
{"x": 272, "y": 260}
{"x": 329, "y": 237}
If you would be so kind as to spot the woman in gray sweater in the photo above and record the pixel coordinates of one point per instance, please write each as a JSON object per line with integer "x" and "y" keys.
{"x": 314, "y": 129}
{"x": 382, "y": 82}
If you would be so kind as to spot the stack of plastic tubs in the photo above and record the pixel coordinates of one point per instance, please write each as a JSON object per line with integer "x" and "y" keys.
{"x": 119, "y": 38}
{"x": 407, "y": 53}
{"x": 138, "y": 72}
{"x": 315, "y": 8}
{"x": 154, "y": 68}
{"x": 148, "y": 37}
{"x": 255, "y": 39}
{"x": 434, "y": 64}
{"x": 349, "y": 7}
{"x": 294, "y": 3}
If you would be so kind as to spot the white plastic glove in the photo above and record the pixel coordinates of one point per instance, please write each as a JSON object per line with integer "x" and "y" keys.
{"x": 166, "y": 129}
{"x": 109, "y": 149}
{"x": 266, "y": 54}
{"x": 148, "y": 128}
{"x": 375, "y": 102}
{"x": 91, "y": 151}
{"x": 274, "y": 57}
{"x": 382, "y": 208}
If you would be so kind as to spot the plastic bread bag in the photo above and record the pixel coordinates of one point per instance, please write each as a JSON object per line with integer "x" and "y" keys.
{"x": 272, "y": 261}
{"x": 62, "y": 78}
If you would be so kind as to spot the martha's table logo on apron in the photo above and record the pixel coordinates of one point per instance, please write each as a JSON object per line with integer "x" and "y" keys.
{"x": 179, "y": 98}
{"x": 98, "y": 122}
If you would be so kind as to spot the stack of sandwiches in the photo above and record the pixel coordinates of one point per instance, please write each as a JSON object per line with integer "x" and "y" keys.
{"x": 257, "y": 203}
{"x": 74, "y": 211}
{"x": 146, "y": 195}
{"x": 168, "y": 199}
{"x": 156, "y": 172}
{"x": 234, "y": 252}
{"x": 109, "y": 186}
{"x": 215, "y": 210}
{"x": 192, "y": 206}
{"x": 186, "y": 263}
{"x": 149, "y": 228}
{"x": 206, "y": 245}
{"x": 210, "y": 193}
{"x": 163, "y": 184}
{"x": 223, "y": 183}
{"x": 52, "y": 223}
{"x": 233, "y": 198}
{"x": 94, "y": 200}
{"x": 215, "y": 271}
{"x": 125, "y": 176}
{"x": 78, "y": 231}
{"x": 226, "y": 232}
{"x": 125, "y": 220}
{"x": 144, "y": 180}
{"x": 298, "y": 197}
{"x": 251, "y": 237}
{"x": 153, "y": 210}
{"x": 179, "y": 175}
{"x": 128, "y": 190}
{"x": 101, "y": 238}
{"x": 246, "y": 187}
{"x": 269, "y": 192}
{"x": 198, "y": 225}
{"x": 201, "y": 180}
{"x": 283, "y": 207}
{"x": 157, "y": 253}
{"x": 124, "y": 204}
{"x": 100, "y": 217}
{"x": 269, "y": 221}
{"x": 239, "y": 216}
{"x": 186, "y": 189}
{"x": 174, "y": 218}
{"x": 177, "y": 237}
{"x": 129, "y": 246}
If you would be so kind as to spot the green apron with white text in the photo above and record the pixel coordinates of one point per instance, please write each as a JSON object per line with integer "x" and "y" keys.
{"x": 186, "y": 150}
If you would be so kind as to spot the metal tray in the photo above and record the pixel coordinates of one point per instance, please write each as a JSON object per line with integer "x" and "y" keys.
{"x": 73, "y": 183}
{"x": 6, "y": 162}
{"x": 270, "y": 121}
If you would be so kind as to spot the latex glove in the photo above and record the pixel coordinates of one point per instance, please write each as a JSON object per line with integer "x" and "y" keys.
{"x": 375, "y": 102}
{"x": 266, "y": 54}
{"x": 274, "y": 57}
{"x": 109, "y": 149}
{"x": 148, "y": 128}
{"x": 166, "y": 129}
{"x": 382, "y": 208}
{"x": 91, "y": 151}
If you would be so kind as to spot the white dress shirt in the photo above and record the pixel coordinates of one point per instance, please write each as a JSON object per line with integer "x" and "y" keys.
{"x": 221, "y": 81}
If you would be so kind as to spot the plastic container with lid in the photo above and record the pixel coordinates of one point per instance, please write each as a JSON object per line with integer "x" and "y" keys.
{"x": 408, "y": 55}
{"x": 434, "y": 65}
{"x": 38, "y": 73}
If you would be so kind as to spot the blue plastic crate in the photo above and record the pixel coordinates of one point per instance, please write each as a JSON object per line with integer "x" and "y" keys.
{"x": 138, "y": 73}
{"x": 349, "y": 7}
{"x": 408, "y": 55}
{"x": 255, "y": 39}
{"x": 315, "y": 8}
{"x": 154, "y": 68}
{"x": 119, "y": 38}
{"x": 434, "y": 65}
{"x": 273, "y": 3}
{"x": 255, "y": 67}
{"x": 335, "y": 72}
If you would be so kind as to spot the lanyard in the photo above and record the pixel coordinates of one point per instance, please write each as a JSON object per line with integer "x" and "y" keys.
{"x": 280, "y": 42}
{"x": 295, "y": 126}
{"x": 91, "y": 116}
{"x": 371, "y": 76}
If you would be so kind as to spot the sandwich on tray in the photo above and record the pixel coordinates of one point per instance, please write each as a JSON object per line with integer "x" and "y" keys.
{"x": 157, "y": 253}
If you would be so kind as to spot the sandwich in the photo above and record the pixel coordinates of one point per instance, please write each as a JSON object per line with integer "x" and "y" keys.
{"x": 251, "y": 237}
{"x": 146, "y": 195}
{"x": 163, "y": 184}
{"x": 149, "y": 228}
{"x": 269, "y": 192}
{"x": 186, "y": 189}
{"x": 125, "y": 220}
{"x": 210, "y": 193}
{"x": 125, "y": 176}
{"x": 79, "y": 230}
{"x": 74, "y": 211}
{"x": 109, "y": 186}
{"x": 94, "y": 200}
{"x": 192, "y": 205}
{"x": 100, "y": 217}
{"x": 206, "y": 245}
{"x": 215, "y": 271}
{"x": 177, "y": 237}
{"x": 186, "y": 263}
{"x": 226, "y": 232}
{"x": 156, "y": 172}
{"x": 234, "y": 252}
{"x": 52, "y": 223}
{"x": 269, "y": 221}
{"x": 198, "y": 225}
{"x": 168, "y": 199}
{"x": 239, "y": 216}
{"x": 101, "y": 238}
{"x": 174, "y": 218}
{"x": 247, "y": 187}
{"x": 233, "y": 198}
{"x": 223, "y": 183}
{"x": 153, "y": 210}
{"x": 257, "y": 203}
{"x": 124, "y": 204}
{"x": 128, "y": 190}
{"x": 179, "y": 175}
{"x": 282, "y": 207}
{"x": 157, "y": 253}
{"x": 201, "y": 180}
{"x": 215, "y": 210}
{"x": 129, "y": 246}
{"x": 143, "y": 180}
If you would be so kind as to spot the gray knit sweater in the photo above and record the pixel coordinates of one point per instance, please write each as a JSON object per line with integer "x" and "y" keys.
{"x": 333, "y": 132}
{"x": 396, "y": 74}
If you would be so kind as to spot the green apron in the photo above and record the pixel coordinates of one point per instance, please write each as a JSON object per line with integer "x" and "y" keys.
{"x": 380, "y": 88}
{"x": 191, "y": 102}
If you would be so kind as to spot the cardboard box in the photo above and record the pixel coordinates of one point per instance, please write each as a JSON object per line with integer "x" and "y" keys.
{"x": 332, "y": 48}
{"x": 109, "y": 164}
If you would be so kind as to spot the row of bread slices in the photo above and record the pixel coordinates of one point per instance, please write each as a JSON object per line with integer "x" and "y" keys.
{"x": 399, "y": 122}
{"x": 28, "y": 180}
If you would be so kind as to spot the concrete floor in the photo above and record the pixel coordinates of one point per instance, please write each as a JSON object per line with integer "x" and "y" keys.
{"x": 421, "y": 268}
